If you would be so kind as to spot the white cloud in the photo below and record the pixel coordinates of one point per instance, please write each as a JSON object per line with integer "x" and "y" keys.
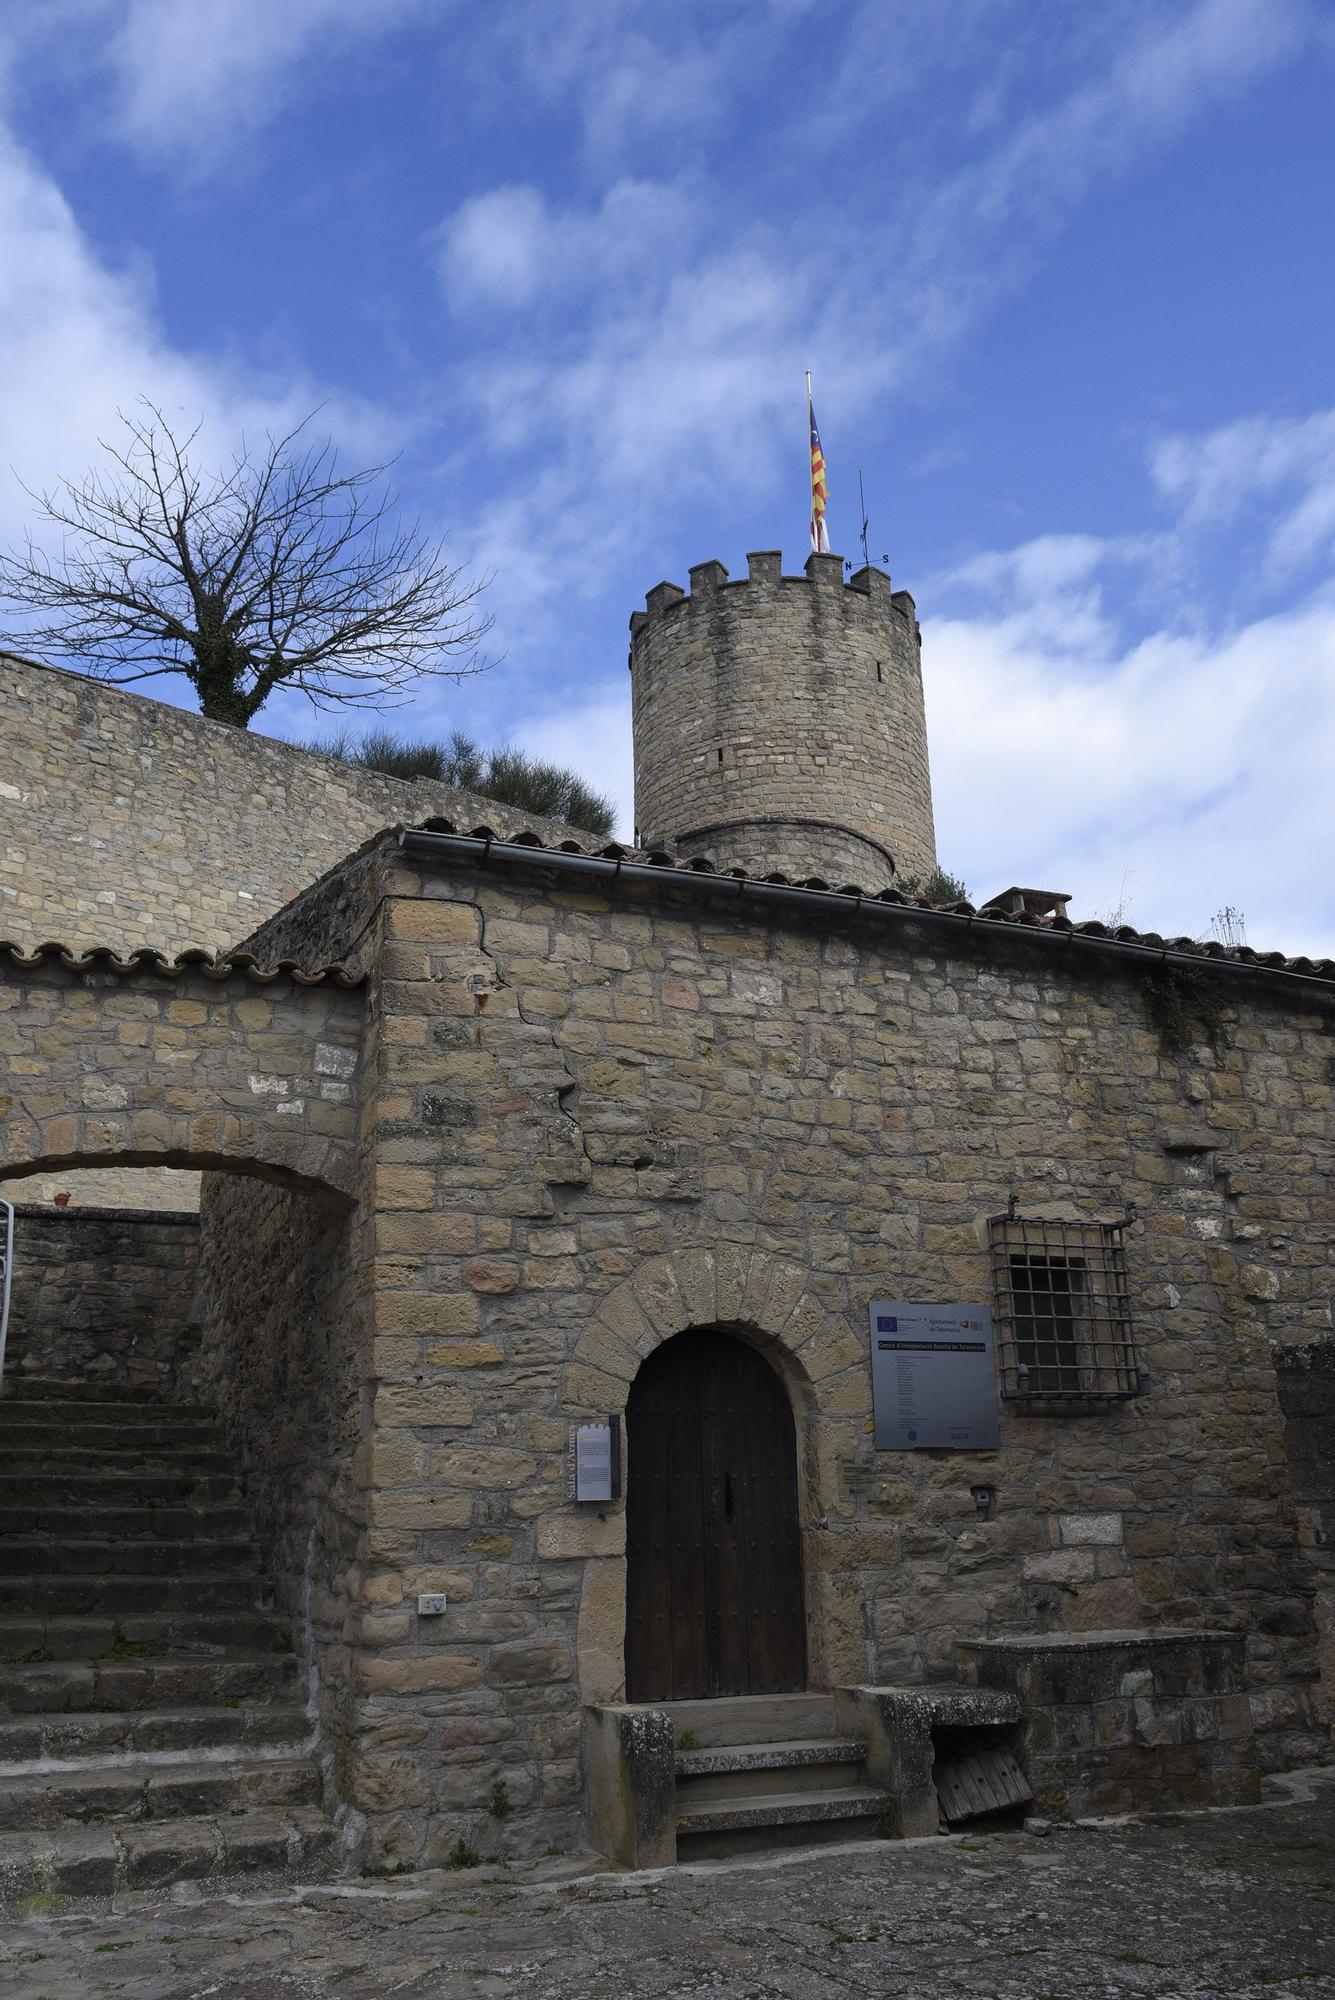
{"x": 673, "y": 372}
{"x": 1051, "y": 588}
{"x": 189, "y": 85}
{"x": 593, "y": 738}
{"x": 79, "y": 340}
{"x": 637, "y": 72}
{"x": 1194, "y": 767}
{"x": 506, "y": 247}
{"x": 1135, "y": 89}
{"x": 496, "y": 248}
{"x": 195, "y": 80}
{"x": 75, "y": 338}
{"x": 1065, "y": 748}
{"x": 1291, "y": 460}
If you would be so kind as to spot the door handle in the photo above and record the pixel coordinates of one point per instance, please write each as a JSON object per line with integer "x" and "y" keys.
{"x": 727, "y": 1496}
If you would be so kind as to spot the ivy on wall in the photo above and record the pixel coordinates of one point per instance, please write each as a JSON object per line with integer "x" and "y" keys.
{"x": 1184, "y": 1008}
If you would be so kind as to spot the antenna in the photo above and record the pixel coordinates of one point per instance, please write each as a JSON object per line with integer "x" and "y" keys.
{"x": 862, "y": 509}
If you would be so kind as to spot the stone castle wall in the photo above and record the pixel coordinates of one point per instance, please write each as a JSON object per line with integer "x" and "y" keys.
{"x": 779, "y": 723}
{"x": 597, "y": 1122}
{"x": 103, "y": 1296}
{"x": 135, "y": 1069}
{"x": 1306, "y": 1381}
{"x": 126, "y": 822}
{"x": 281, "y": 1357}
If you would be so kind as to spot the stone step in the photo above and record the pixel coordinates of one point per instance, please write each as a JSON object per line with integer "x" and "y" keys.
{"x": 91, "y": 1395}
{"x": 44, "y": 1423}
{"x": 56, "y": 1488}
{"x": 745, "y": 1770}
{"x": 164, "y": 1731}
{"x": 83, "y": 1461}
{"x": 105, "y": 1860}
{"x": 141, "y": 1635}
{"x": 174, "y": 1681}
{"x": 159, "y": 1521}
{"x": 199, "y": 1556}
{"x": 36, "y": 1596}
{"x": 752, "y": 1718}
{"x": 728, "y": 1826}
{"x": 131, "y": 1788}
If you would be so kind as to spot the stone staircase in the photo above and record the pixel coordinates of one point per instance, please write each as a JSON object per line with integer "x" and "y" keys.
{"x": 152, "y": 1726}
{"x": 763, "y": 1771}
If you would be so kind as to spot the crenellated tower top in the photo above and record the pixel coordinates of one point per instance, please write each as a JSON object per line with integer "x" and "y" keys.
{"x": 779, "y": 724}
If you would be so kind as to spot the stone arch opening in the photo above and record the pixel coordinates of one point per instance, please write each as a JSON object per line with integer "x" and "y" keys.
{"x": 769, "y": 1302}
{"x": 191, "y": 1066}
{"x": 715, "y": 1603}
{"x": 285, "y": 1167}
{"x": 116, "y": 1253}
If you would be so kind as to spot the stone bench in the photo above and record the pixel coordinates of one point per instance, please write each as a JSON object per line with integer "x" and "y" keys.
{"x": 1127, "y": 1721}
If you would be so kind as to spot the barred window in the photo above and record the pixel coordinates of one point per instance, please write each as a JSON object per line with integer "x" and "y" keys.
{"x": 1063, "y": 1309}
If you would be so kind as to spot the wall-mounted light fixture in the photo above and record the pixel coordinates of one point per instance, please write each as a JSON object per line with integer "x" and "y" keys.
{"x": 983, "y": 1496}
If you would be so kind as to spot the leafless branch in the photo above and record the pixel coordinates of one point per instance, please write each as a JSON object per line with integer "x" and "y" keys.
{"x": 281, "y": 570}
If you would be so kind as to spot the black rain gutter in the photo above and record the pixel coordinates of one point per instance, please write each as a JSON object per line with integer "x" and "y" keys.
{"x": 484, "y": 851}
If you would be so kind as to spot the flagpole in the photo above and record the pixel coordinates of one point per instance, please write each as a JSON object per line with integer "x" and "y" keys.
{"x": 813, "y": 518}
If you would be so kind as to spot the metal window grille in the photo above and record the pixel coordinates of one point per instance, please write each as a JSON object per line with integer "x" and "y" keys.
{"x": 1063, "y": 1309}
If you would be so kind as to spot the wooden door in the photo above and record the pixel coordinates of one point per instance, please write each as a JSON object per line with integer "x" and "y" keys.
{"x": 714, "y": 1599}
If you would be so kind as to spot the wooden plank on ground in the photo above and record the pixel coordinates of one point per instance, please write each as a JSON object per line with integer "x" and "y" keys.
{"x": 980, "y": 1781}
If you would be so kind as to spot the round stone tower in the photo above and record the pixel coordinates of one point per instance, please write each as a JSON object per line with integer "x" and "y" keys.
{"x": 779, "y": 724}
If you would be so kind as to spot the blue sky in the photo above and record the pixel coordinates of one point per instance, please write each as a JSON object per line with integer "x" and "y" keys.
{"x": 1063, "y": 273}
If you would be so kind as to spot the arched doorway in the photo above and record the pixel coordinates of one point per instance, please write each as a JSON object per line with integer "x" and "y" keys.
{"x": 714, "y": 1598}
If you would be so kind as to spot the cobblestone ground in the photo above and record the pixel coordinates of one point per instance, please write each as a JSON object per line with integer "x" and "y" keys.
{"x": 1239, "y": 1904}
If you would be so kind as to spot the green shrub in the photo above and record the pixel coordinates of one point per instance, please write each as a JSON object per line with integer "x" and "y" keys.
{"x": 508, "y": 775}
{"x": 940, "y": 888}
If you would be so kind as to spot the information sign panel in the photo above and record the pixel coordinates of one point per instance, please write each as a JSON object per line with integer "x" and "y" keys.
{"x": 933, "y": 1379}
{"x": 593, "y": 1462}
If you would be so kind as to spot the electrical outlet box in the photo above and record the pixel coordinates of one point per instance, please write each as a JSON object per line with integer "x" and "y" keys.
{"x": 430, "y": 1604}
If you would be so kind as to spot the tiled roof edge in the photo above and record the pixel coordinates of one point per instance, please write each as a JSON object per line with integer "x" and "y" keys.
{"x": 1139, "y": 942}
{"x": 216, "y": 966}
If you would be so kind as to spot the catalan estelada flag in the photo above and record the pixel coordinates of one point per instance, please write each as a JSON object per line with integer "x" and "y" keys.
{"x": 820, "y": 541}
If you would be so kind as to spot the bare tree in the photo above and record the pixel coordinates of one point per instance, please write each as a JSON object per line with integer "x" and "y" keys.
{"x": 281, "y": 571}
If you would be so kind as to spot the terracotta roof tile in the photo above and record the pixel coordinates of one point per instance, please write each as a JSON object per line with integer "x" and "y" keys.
{"x": 1053, "y": 925}
{"x": 218, "y": 966}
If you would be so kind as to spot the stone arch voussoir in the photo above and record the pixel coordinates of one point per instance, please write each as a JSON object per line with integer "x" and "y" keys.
{"x": 313, "y": 1165}
{"x": 758, "y": 1293}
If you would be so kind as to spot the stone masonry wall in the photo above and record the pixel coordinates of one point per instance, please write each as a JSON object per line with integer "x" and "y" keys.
{"x": 126, "y": 822}
{"x": 175, "y": 1189}
{"x": 1305, "y": 1377}
{"x": 282, "y": 1302}
{"x": 1117, "y": 1722}
{"x": 139, "y": 1069}
{"x": 779, "y": 723}
{"x": 102, "y": 1296}
{"x": 595, "y": 1124}
{"x": 282, "y": 1358}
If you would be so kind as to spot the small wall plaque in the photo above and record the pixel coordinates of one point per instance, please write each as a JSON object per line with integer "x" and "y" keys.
{"x": 597, "y": 1461}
